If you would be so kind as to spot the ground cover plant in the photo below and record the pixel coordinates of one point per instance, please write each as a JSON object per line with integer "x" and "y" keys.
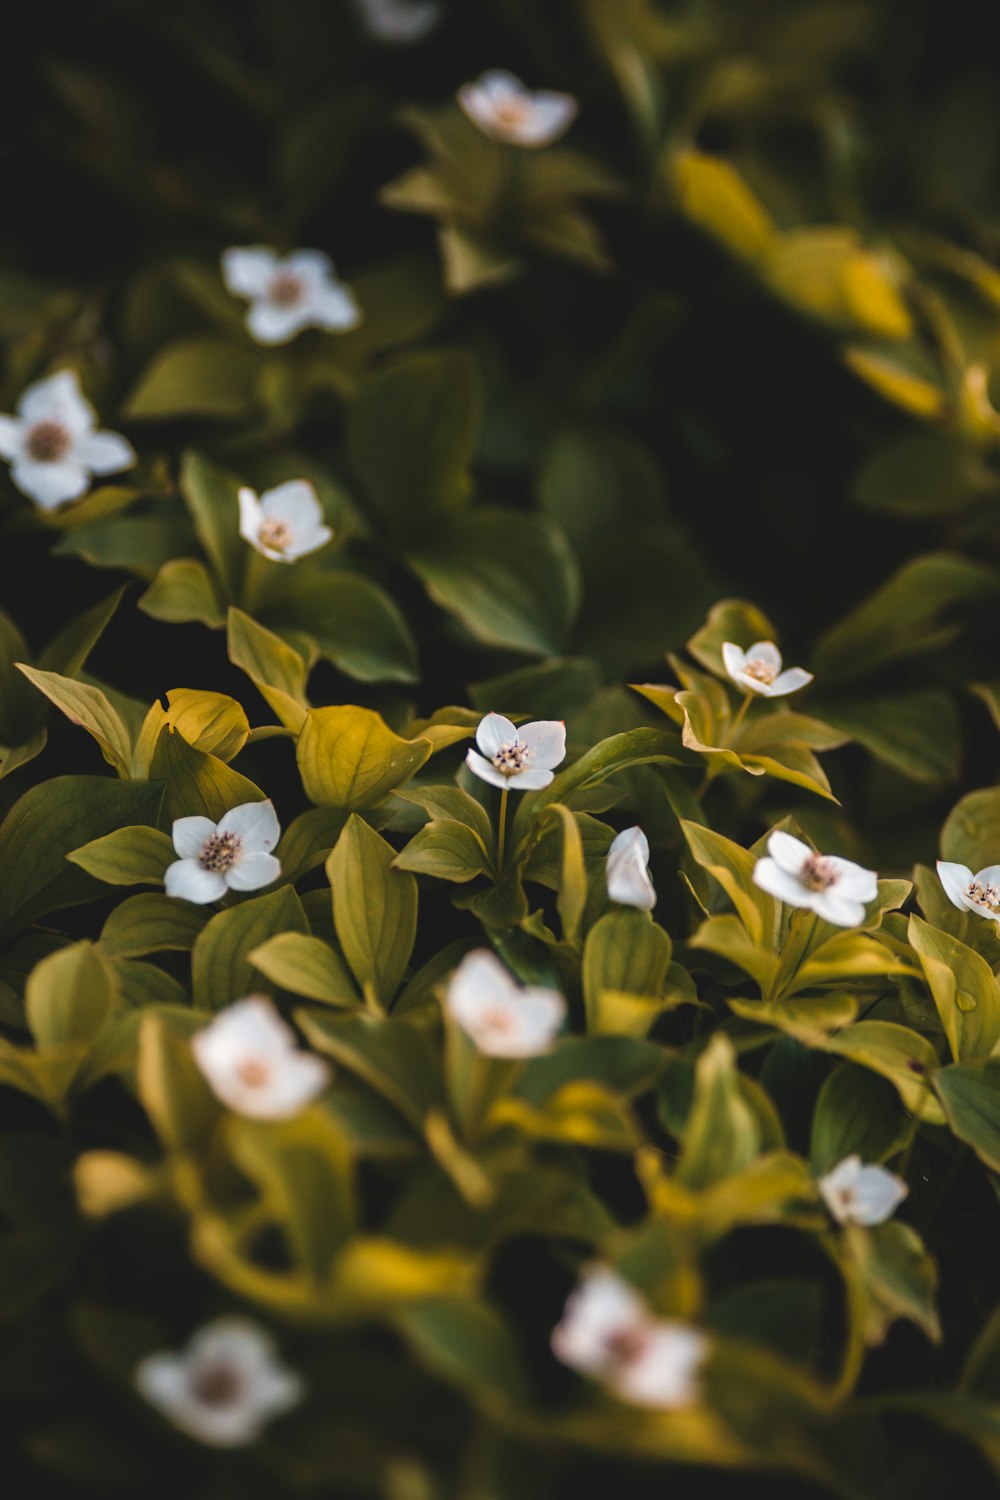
{"x": 499, "y": 710}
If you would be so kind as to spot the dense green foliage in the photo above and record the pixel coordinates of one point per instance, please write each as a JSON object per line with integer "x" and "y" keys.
{"x": 732, "y": 337}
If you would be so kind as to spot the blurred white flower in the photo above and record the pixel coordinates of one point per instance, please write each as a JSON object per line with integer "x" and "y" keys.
{"x": 608, "y": 1333}
{"x": 285, "y": 523}
{"x": 502, "y": 1017}
{"x": 233, "y": 854}
{"x": 979, "y": 893}
{"x": 253, "y": 1063}
{"x": 51, "y": 445}
{"x": 399, "y": 21}
{"x": 288, "y": 295}
{"x": 758, "y": 670}
{"x": 835, "y": 889}
{"x": 627, "y": 872}
{"x": 519, "y": 758}
{"x": 855, "y": 1194}
{"x": 502, "y": 108}
{"x": 224, "y": 1387}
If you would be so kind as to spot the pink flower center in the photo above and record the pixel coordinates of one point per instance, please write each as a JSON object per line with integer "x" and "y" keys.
{"x": 285, "y": 289}
{"x": 627, "y": 1344}
{"x": 495, "y": 1018}
{"x": 984, "y": 895}
{"x": 510, "y": 760}
{"x": 217, "y": 1385}
{"x": 275, "y": 533}
{"x": 512, "y": 111}
{"x": 220, "y": 852}
{"x": 760, "y": 670}
{"x": 817, "y": 873}
{"x": 253, "y": 1072}
{"x": 47, "y": 442}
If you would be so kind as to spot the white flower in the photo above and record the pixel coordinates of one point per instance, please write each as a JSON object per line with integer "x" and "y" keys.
{"x": 758, "y": 670}
{"x": 627, "y": 873}
{"x": 979, "y": 893}
{"x": 503, "y": 1018}
{"x": 835, "y": 889}
{"x": 51, "y": 444}
{"x": 288, "y": 295}
{"x": 608, "y": 1333}
{"x": 399, "y": 21}
{"x": 520, "y": 758}
{"x": 224, "y": 1387}
{"x": 232, "y": 854}
{"x": 506, "y": 111}
{"x": 285, "y": 523}
{"x": 251, "y": 1060}
{"x": 861, "y": 1195}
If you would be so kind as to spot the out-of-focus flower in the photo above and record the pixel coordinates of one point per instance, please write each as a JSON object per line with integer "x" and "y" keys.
{"x": 233, "y": 854}
{"x": 856, "y": 1194}
{"x": 399, "y": 21}
{"x": 502, "y": 108}
{"x": 253, "y": 1064}
{"x": 627, "y": 870}
{"x": 758, "y": 670}
{"x": 835, "y": 889}
{"x": 287, "y": 295}
{"x": 52, "y": 446}
{"x": 503, "y": 1018}
{"x": 285, "y": 523}
{"x": 523, "y": 758}
{"x": 979, "y": 893}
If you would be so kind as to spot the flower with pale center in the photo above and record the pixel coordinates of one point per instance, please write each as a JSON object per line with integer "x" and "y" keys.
{"x": 502, "y": 108}
{"x": 835, "y": 889}
{"x": 627, "y": 871}
{"x": 288, "y": 295}
{"x": 608, "y": 1333}
{"x": 224, "y": 1387}
{"x": 502, "y": 1017}
{"x": 252, "y": 1062}
{"x": 52, "y": 446}
{"x": 522, "y": 759}
{"x": 758, "y": 670}
{"x": 399, "y": 21}
{"x": 979, "y": 893}
{"x": 233, "y": 854}
{"x": 856, "y": 1194}
{"x": 285, "y": 523}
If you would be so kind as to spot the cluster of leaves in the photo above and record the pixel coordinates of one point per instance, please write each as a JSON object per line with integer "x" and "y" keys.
{"x": 735, "y": 336}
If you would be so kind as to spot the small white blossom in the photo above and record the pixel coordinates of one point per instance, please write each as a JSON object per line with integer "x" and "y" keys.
{"x": 861, "y": 1195}
{"x": 522, "y": 759}
{"x": 288, "y": 295}
{"x": 979, "y": 893}
{"x": 52, "y": 446}
{"x": 835, "y": 889}
{"x": 285, "y": 523}
{"x": 608, "y": 1333}
{"x": 253, "y": 1063}
{"x": 224, "y": 1387}
{"x": 503, "y": 1018}
{"x": 502, "y": 108}
{"x": 399, "y": 21}
{"x": 758, "y": 670}
{"x": 233, "y": 854}
{"x": 627, "y": 872}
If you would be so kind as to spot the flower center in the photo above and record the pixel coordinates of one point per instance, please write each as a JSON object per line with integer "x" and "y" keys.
{"x": 817, "y": 873}
{"x": 512, "y": 112}
{"x": 510, "y": 760}
{"x": 760, "y": 670}
{"x": 626, "y": 1345}
{"x": 285, "y": 289}
{"x": 217, "y": 1385}
{"x": 220, "y": 852}
{"x": 47, "y": 442}
{"x": 275, "y": 533}
{"x": 495, "y": 1018}
{"x": 253, "y": 1072}
{"x": 984, "y": 895}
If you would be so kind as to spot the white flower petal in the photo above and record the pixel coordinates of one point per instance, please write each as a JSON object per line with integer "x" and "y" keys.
{"x": 256, "y": 823}
{"x": 253, "y": 870}
{"x": 989, "y": 876}
{"x": 186, "y": 879}
{"x": 189, "y": 835}
{"x": 955, "y": 879}
{"x": 399, "y": 21}
{"x": 733, "y": 659}
{"x": 530, "y": 780}
{"x": 789, "y": 682}
{"x": 498, "y": 84}
{"x": 58, "y": 399}
{"x": 270, "y": 324}
{"x": 602, "y": 1308}
{"x": 550, "y": 117}
{"x": 251, "y": 1025}
{"x": 50, "y": 484}
{"x": 335, "y": 308}
{"x": 294, "y": 502}
{"x": 309, "y": 539}
{"x": 838, "y": 908}
{"x": 248, "y": 272}
{"x": 626, "y": 872}
{"x": 485, "y": 770}
{"x": 664, "y": 1375}
{"x": 479, "y": 978}
{"x": 493, "y": 733}
{"x": 313, "y": 267}
{"x": 765, "y": 651}
{"x": 788, "y": 852}
{"x": 299, "y": 1080}
{"x": 877, "y": 1195}
{"x": 769, "y": 875}
{"x": 104, "y": 452}
{"x": 11, "y": 437}
{"x": 853, "y": 880}
{"x": 546, "y": 740}
{"x": 251, "y": 515}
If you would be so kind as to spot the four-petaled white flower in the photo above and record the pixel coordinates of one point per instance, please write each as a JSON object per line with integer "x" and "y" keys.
{"x": 503, "y": 1018}
{"x": 253, "y": 1063}
{"x": 608, "y": 1333}
{"x": 835, "y": 889}
{"x": 399, "y": 21}
{"x": 627, "y": 872}
{"x": 758, "y": 670}
{"x": 979, "y": 893}
{"x": 855, "y": 1194}
{"x": 288, "y": 295}
{"x": 224, "y": 1387}
{"x": 522, "y": 759}
{"x": 506, "y": 111}
{"x": 233, "y": 854}
{"x": 51, "y": 444}
{"x": 285, "y": 523}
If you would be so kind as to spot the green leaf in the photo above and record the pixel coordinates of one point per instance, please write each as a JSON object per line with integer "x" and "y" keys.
{"x": 129, "y": 856}
{"x": 915, "y": 733}
{"x": 619, "y": 752}
{"x": 722, "y": 1135}
{"x": 396, "y": 1059}
{"x": 857, "y": 1112}
{"x": 626, "y": 954}
{"x": 173, "y": 1092}
{"x": 374, "y": 909}
{"x": 181, "y": 591}
{"x": 197, "y": 782}
{"x": 971, "y": 834}
{"x": 469, "y": 1345}
{"x": 152, "y": 923}
{"x": 69, "y": 996}
{"x": 222, "y": 968}
{"x": 733, "y": 620}
{"x": 355, "y": 624}
{"x": 211, "y": 496}
{"x": 349, "y": 758}
{"x": 278, "y": 672}
{"x": 903, "y": 1056}
{"x": 306, "y": 966}
{"x": 201, "y": 377}
{"x": 733, "y": 866}
{"x": 446, "y": 850}
{"x": 88, "y": 707}
{"x": 898, "y": 1277}
{"x": 965, "y": 990}
{"x": 713, "y": 195}
{"x": 970, "y": 1093}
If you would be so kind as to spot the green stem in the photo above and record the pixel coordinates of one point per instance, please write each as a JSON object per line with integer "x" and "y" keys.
{"x": 741, "y": 714}
{"x": 502, "y": 833}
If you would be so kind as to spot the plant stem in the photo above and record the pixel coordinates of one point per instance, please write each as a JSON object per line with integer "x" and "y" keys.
{"x": 741, "y": 714}
{"x": 502, "y": 833}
